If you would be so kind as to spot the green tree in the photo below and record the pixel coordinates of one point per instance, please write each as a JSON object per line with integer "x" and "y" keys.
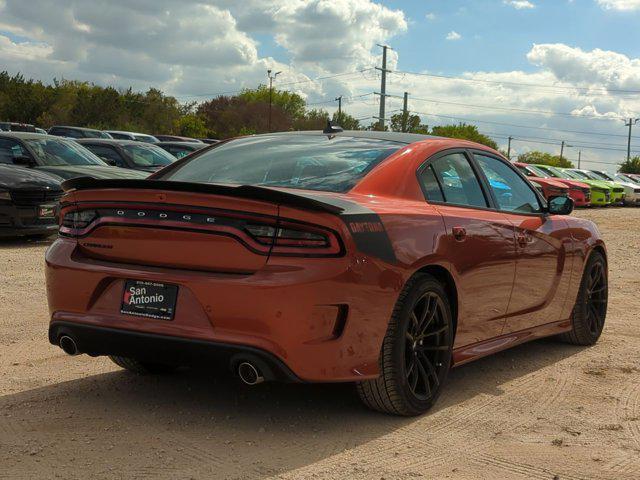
{"x": 191, "y": 125}
{"x": 464, "y": 131}
{"x": 311, "y": 120}
{"x": 631, "y": 166}
{"x": 291, "y": 103}
{"x": 544, "y": 158}
{"x": 346, "y": 121}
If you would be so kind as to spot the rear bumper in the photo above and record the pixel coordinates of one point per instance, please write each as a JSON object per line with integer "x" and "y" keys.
{"x": 323, "y": 318}
{"x": 149, "y": 347}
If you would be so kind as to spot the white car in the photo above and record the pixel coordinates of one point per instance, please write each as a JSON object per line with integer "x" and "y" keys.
{"x": 631, "y": 189}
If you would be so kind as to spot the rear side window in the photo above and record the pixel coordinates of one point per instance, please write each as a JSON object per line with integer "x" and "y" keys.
{"x": 451, "y": 179}
{"x": 511, "y": 191}
{"x": 311, "y": 162}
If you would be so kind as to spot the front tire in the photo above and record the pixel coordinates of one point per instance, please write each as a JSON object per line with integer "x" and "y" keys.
{"x": 416, "y": 351}
{"x": 590, "y": 310}
{"x": 142, "y": 368}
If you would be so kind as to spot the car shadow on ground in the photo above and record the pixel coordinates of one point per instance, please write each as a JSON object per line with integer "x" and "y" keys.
{"x": 25, "y": 242}
{"x": 192, "y": 424}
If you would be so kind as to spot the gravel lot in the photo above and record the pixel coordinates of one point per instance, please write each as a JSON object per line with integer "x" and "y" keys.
{"x": 542, "y": 410}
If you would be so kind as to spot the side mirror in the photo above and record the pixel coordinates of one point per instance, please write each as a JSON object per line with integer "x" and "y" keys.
{"x": 560, "y": 205}
{"x": 23, "y": 160}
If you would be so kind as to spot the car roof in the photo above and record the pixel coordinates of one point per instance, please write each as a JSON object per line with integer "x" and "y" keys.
{"x": 107, "y": 141}
{"x": 176, "y": 143}
{"x": 399, "y": 137}
{"x": 78, "y": 128}
{"x": 129, "y": 133}
{"x": 26, "y": 135}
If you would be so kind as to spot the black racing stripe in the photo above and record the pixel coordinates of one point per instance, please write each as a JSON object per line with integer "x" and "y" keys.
{"x": 364, "y": 224}
{"x": 370, "y": 236}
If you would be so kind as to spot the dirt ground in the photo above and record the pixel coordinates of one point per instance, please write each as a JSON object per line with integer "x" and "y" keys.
{"x": 543, "y": 410}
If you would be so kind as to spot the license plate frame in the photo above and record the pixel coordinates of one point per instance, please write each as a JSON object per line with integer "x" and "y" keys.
{"x": 46, "y": 211}
{"x": 149, "y": 299}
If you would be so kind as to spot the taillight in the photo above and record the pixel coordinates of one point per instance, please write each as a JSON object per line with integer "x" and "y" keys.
{"x": 263, "y": 235}
{"x": 293, "y": 239}
{"x": 77, "y": 219}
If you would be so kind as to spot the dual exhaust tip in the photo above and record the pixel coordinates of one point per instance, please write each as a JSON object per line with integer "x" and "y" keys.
{"x": 249, "y": 373}
{"x": 68, "y": 345}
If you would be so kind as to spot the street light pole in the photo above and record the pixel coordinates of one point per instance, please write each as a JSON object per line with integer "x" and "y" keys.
{"x": 561, "y": 151}
{"x": 509, "y": 149}
{"x": 271, "y": 79}
{"x": 579, "y": 157}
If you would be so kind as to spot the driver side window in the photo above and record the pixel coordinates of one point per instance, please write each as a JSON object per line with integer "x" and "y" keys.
{"x": 512, "y": 193}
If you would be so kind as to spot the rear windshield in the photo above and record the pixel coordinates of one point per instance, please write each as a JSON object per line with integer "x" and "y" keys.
{"x": 56, "y": 151}
{"x": 311, "y": 162}
{"x": 148, "y": 155}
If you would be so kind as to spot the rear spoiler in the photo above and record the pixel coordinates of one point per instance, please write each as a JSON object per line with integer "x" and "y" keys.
{"x": 299, "y": 200}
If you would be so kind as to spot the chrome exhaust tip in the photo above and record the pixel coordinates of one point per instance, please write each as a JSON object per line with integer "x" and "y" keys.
{"x": 68, "y": 345}
{"x": 249, "y": 374}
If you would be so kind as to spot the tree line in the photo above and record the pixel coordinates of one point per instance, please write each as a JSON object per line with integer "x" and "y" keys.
{"x": 70, "y": 102}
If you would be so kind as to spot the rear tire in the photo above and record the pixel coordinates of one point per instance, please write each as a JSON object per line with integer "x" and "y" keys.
{"x": 416, "y": 351}
{"x": 142, "y": 368}
{"x": 590, "y": 310}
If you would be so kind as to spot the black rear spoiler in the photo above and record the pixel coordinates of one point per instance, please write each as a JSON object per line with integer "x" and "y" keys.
{"x": 299, "y": 200}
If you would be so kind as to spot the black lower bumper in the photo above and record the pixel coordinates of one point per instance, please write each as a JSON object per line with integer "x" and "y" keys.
{"x": 150, "y": 347}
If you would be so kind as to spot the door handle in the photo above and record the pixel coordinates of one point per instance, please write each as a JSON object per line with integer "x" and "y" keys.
{"x": 459, "y": 233}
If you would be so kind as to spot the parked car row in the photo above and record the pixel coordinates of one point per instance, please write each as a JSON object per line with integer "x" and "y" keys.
{"x": 33, "y": 166}
{"x": 83, "y": 132}
{"x": 586, "y": 187}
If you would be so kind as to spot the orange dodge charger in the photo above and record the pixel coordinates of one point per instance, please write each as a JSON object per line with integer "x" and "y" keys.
{"x": 377, "y": 258}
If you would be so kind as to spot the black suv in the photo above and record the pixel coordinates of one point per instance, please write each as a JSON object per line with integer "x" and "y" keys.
{"x": 28, "y": 202}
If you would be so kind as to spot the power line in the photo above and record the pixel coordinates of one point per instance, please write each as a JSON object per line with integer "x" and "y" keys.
{"x": 520, "y": 126}
{"x": 518, "y": 84}
{"x": 297, "y": 82}
{"x": 520, "y": 110}
{"x": 572, "y": 141}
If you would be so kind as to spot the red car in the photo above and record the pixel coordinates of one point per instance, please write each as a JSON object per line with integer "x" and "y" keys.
{"x": 550, "y": 188}
{"x": 376, "y": 258}
{"x": 578, "y": 191}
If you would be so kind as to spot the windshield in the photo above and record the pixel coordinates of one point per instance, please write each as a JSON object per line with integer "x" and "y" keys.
{"x": 145, "y": 138}
{"x": 537, "y": 172}
{"x": 592, "y": 176}
{"x": 550, "y": 171}
{"x": 312, "y": 162}
{"x": 624, "y": 178}
{"x": 602, "y": 176}
{"x": 575, "y": 175}
{"x": 148, "y": 155}
{"x": 56, "y": 151}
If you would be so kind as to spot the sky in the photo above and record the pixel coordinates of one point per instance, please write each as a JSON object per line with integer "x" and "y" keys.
{"x": 539, "y": 71}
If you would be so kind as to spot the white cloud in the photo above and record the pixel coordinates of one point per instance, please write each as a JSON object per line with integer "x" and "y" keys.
{"x": 519, "y": 4}
{"x": 178, "y": 44}
{"x": 453, "y": 35}
{"x": 430, "y": 16}
{"x": 621, "y": 5}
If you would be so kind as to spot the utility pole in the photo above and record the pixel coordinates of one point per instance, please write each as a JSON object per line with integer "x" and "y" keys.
{"x": 383, "y": 87}
{"x": 339, "y": 100}
{"x": 562, "y": 145}
{"x": 271, "y": 79}
{"x": 632, "y": 122}
{"x": 405, "y": 111}
{"x": 579, "y": 157}
{"x": 509, "y": 149}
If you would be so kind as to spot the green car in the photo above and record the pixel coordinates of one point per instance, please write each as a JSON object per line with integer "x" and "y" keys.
{"x": 601, "y": 193}
{"x": 618, "y": 194}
